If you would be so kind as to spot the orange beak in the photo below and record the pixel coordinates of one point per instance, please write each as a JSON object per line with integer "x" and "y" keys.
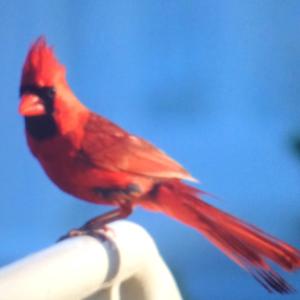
{"x": 31, "y": 105}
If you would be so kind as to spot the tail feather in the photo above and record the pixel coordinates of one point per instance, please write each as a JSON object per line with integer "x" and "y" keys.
{"x": 272, "y": 281}
{"x": 245, "y": 244}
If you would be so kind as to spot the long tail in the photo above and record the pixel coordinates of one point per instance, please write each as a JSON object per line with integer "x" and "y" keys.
{"x": 245, "y": 244}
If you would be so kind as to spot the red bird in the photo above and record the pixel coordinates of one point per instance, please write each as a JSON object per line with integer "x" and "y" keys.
{"x": 95, "y": 160}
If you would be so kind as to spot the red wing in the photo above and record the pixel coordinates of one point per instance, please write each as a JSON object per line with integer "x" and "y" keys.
{"x": 110, "y": 147}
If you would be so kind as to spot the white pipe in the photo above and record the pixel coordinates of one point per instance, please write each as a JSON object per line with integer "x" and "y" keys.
{"x": 127, "y": 263}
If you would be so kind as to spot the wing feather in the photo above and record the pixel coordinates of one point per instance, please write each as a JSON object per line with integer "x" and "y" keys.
{"x": 110, "y": 147}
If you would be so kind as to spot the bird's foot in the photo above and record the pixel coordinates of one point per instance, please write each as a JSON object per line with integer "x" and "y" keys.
{"x": 103, "y": 233}
{"x": 97, "y": 227}
{"x": 72, "y": 233}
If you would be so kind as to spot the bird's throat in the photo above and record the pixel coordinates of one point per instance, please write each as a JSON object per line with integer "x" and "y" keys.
{"x": 41, "y": 127}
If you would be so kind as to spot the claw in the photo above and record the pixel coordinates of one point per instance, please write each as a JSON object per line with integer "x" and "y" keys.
{"x": 104, "y": 233}
{"x": 97, "y": 228}
{"x": 72, "y": 233}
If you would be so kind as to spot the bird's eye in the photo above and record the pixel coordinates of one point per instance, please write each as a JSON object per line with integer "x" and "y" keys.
{"x": 49, "y": 92}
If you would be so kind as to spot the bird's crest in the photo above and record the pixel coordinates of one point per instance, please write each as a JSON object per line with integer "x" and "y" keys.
{"x": 41, "y": 66}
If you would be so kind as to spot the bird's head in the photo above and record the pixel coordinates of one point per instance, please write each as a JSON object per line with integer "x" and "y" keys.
{"x": 41, "y": 75}
{"x": 47, "y": 102}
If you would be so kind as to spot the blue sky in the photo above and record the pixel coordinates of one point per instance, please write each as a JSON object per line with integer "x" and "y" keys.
{"x": 213, "y": 83}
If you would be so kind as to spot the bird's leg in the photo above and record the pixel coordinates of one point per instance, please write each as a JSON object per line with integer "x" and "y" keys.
{"x": 124, "y": 210}
{"x": 96, "y": 226}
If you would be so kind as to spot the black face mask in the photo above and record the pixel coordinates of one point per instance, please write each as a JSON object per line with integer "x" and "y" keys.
{"x": 44, "y": 126}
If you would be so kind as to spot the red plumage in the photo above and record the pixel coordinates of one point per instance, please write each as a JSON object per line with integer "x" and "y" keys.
{"x": 97, "y": 161}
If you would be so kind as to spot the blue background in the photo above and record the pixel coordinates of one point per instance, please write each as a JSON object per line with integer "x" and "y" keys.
{"x": 213, "y": 83}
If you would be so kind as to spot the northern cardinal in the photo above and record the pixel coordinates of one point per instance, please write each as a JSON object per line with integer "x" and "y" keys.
{"x": 95, "y": 160}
